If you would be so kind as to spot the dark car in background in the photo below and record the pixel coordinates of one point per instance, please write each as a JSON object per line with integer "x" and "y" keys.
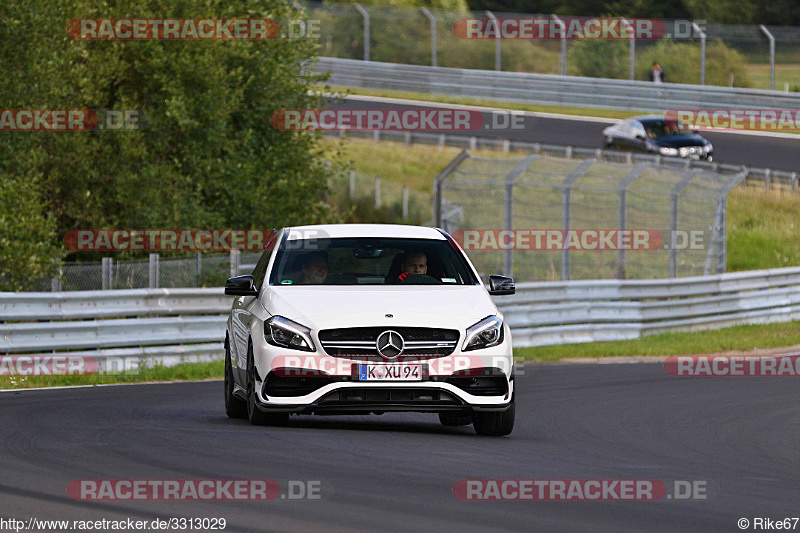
{"x": 658, "y": 135}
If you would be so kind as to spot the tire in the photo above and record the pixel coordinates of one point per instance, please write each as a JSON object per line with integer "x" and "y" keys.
{"x": 494, "y": 424}
{"x": 254, "y": 414}
{"x": 455, "y": 419}
{"x": 234, "y": 407}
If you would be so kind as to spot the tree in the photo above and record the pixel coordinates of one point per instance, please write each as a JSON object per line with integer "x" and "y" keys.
{"x": 208, "y": 155}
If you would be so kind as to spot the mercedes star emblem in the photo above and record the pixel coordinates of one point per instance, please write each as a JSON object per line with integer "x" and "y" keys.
{"x": 389, "y": 344}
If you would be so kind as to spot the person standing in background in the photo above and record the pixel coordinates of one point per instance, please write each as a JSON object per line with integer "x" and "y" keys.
{"x": 657, "y": 74}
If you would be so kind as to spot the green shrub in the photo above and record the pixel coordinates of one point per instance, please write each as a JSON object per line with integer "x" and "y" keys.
{"x": 681, "y": 63}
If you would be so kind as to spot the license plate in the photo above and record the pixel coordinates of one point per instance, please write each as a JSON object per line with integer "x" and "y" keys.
{"x": 392, "y": 372}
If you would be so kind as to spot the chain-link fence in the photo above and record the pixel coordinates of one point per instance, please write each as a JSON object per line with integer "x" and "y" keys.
{"x": 423, "y": 36}
{"x": 371, "y": 198}
{"x": 541, "y": 217}
{"x": 199, "y": 270}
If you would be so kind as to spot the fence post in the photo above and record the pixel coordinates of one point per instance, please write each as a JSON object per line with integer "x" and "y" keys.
{"x": 377, "y": 193}
{"x": 702, "y": 52}
{"x": 405, "y": 202}
{"x": 234, "y": 255}
{"x": 153, "y": 271}
{"x": 563, "y": 62}
{"x": 352, "y": 184}
{"x": 199, "y": 259}
{"x": 433, "y": 34}
{"x": 622, "y": 214}
{"x": 673, "y": 223}
{"x": 364, "y": 14}
{"x": 438, "y": 186}
{"x": 566, "y": 213}
{"x": 771, "y": 56}
{"x": 508, "y": 211}
{"x": 106, "y": 274}
{"x": 632, "y": 53}
{"x": 497, "y": 41}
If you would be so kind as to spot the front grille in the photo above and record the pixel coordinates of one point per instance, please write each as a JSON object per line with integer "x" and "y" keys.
{"x": 430, "y": 342}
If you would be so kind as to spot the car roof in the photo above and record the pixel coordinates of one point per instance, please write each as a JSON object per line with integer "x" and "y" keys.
{"x": 333, "y": 231}
{"x": 647, "y": 119}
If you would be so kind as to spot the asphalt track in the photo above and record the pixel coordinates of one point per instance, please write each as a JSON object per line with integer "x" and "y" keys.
{"x": 761, "y": 151}
{"x": 396, "y": 472}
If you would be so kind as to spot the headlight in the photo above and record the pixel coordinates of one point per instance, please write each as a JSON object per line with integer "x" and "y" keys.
{"x": 488, "y": 332}
{"x": 709, "y": 148}
{"x": 668, "y": 151}
{"x": 282, "y": 332}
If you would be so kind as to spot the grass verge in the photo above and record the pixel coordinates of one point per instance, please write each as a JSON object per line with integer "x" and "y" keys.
{"x": 736, "y": 338}
{"x": 759, "y": 74}
{"x": 181, "y": 372}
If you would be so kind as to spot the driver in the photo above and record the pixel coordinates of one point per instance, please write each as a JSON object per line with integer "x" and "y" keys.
{"x": 414, "y": 262}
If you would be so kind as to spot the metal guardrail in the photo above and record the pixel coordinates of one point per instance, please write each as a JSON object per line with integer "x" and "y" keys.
{"x": 604, "y": 310}
{"x": 546, "y": 88}
{"x": 169, "y": 330}
{"x": 769, "y": 178}
{"x": 18, "y": 306}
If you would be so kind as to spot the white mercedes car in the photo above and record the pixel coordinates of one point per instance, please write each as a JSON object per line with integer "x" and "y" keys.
{"x": 368, "y": 318}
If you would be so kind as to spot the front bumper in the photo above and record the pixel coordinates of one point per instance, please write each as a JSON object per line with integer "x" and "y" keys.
{"x": 478, "y": 380}
{"x": 353, "y": 398}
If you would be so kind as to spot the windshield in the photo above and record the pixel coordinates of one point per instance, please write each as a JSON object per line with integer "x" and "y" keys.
{"x": 370, "y": 261}
{"x": 666, "y": 128}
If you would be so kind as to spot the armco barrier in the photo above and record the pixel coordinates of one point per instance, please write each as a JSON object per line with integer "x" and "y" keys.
{"x": 176, "y": 325}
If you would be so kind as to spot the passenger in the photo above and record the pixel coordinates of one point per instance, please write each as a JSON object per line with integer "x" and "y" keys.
{"x": 315, "y": 268}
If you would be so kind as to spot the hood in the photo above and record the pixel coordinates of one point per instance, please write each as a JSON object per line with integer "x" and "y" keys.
{"x": 323, "y": 307}
{"x": 679, "y": 141}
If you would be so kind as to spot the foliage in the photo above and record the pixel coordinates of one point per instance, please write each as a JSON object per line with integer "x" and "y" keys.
{"x": 599, "y": 59}
{"x": 681, "y": 63}
{"x": 208, "y": 155}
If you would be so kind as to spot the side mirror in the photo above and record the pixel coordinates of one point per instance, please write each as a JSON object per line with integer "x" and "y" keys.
{"x": 501, "y": 285}
{"x": 241, "y": 286}
{"x": 640, "y": 135}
